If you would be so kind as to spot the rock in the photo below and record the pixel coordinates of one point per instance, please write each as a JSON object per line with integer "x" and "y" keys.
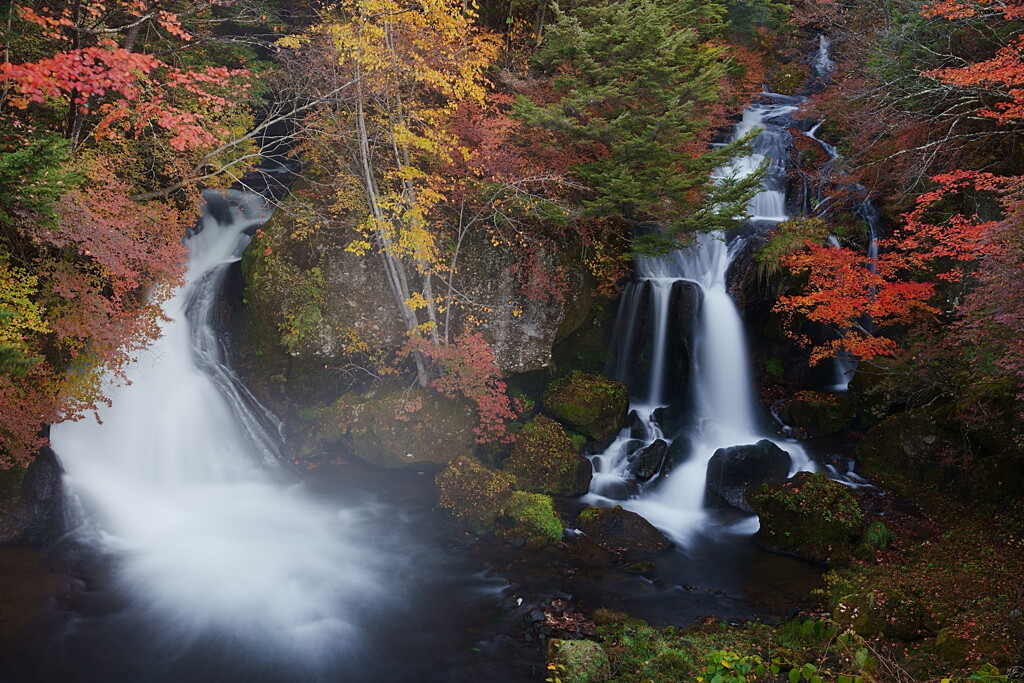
{"x": 874, "y": 612}
{"x": 577, "y": 661}
{"x": 32, "y": 504}
{"x": 908, "y": 447}
{"x": 598, "y": 446}
{"x": 646, "y": 462}
{"x": 635, "y": 426}
{"x": 544, "y": 460}
{"x": 731, "y": 471}
{"x": 820, "y": 414}
{"x": 810, "y": 516}
{"x": 472, "y": 493}
{"x": 590, "y": 403}
{"x": 531, "y": 518}
{"x": 396, "y": 426}
{"x": 678, "y": 452}
{"x": 622, "y": 532}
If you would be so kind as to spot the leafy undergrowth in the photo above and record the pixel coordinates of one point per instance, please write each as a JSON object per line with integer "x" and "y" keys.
{"x": 807, "y": 649}
{"x": 935, "y": 598}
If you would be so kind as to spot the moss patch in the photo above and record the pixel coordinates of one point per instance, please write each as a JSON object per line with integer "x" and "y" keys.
{"x": 532, "y": 518}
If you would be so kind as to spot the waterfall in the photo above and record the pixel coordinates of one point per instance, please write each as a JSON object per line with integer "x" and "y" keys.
{"x": 182, "y": 492}
{"x": 723, "y": 403}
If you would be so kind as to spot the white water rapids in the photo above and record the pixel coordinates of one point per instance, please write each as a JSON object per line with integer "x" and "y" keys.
{"x": 181, "y": 489}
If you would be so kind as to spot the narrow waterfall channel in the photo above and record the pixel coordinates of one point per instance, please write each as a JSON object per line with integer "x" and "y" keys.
{"x": 211, "y": 545}
{"x": 721, "y": 393}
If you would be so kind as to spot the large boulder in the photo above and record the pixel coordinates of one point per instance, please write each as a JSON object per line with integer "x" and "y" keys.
{"x": 810, "y": 516}
{"x": 32, "y": 502}
{"x": 392, "y": 426}
{"x": 474, "y": 494}
{"x": 733, "y": 470}
{"x": 820, "y": 414}
{"x": 909, "y": 448}
{"x": 622, "y": 532}
{"x": 545, "y": 461}
{"x": 590, "y": 403}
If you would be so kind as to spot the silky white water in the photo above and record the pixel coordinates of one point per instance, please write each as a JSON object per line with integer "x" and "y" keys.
{"x": 181, "y": 488}
{"x": 723, "y": 402}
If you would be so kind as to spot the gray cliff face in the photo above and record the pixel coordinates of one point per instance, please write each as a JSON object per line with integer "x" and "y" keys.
{"x": 319, "y": 304}
{"x": 521, "y": 328}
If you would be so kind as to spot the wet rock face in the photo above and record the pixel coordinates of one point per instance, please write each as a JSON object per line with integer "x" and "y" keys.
{"x": 647, "y": 461}
{"x": 622, "y": 532}
{"x": 820, "y": 414}
{"x": 311, "y": 298}
{"x": 733, "y": 470}
{"x": 33, "y": 512}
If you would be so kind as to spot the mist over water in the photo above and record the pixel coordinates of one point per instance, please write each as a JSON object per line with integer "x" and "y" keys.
{"x": 207, "y": 537}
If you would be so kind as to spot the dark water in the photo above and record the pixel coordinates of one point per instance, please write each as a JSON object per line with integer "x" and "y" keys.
{"x": 455, "y": 610}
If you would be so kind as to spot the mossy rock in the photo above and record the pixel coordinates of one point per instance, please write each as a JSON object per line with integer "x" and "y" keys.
{"x": 911, "y": 447}
{"x": 395, "y": 427}
{"x": 592, "y": 404}
{"x": 820, "y": 414}
{"x": 874, "y": 612}
{"x": 622, "y": 532}
{"x": 474, "y": 494}
{"x": 577, "y": 661}
{"x": 544, "y": 460}
{"x": 531, "y": 518}
{"x": 810, "y": 515}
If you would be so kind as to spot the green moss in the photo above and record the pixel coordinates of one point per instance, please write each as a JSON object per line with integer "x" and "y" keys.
{"x": 533, "y": 519}
{"x": 577, "y": 661}
{"x": 590, "y": 403}
{"x": 544, "y": 458}
{"x": 810, "y": 515}
{"x": 474, "y": 494}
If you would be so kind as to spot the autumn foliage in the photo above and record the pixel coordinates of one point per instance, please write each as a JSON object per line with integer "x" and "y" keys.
{"x": 104, "y": 137}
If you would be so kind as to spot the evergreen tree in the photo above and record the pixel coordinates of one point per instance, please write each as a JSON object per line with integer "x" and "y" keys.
{"x": 638, "y": 81}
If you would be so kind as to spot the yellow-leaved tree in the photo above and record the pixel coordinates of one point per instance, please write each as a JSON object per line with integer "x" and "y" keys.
{"x": 407, "y": 67}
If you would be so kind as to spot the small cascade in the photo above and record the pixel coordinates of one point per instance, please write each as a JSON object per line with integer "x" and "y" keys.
{"x": 723, "y": 409}
{"x": 181, "y": 492}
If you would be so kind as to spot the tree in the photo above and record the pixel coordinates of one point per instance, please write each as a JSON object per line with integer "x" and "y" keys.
{"x": 636, "y": 83}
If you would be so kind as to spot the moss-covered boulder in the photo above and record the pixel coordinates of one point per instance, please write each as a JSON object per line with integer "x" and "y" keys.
{"x": 393, "y": 427}
{"x": 622, "y": 532}
{"x": 875, "y": 612}
{"x": 810, "y": 515}
{"x": 590, "y": 403}
{"x": 474, "y": 494}
{"x": 911, "y": 447}
{"x": 544, "y": 460}
{"x": 577, "y": 661}
{"x": 530, "y": 517}
{"x": 820, "y": 414}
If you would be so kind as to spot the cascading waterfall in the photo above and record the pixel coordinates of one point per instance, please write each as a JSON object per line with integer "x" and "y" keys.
{"x": 182, "y": 491}
{"x": 724, "y": 413}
